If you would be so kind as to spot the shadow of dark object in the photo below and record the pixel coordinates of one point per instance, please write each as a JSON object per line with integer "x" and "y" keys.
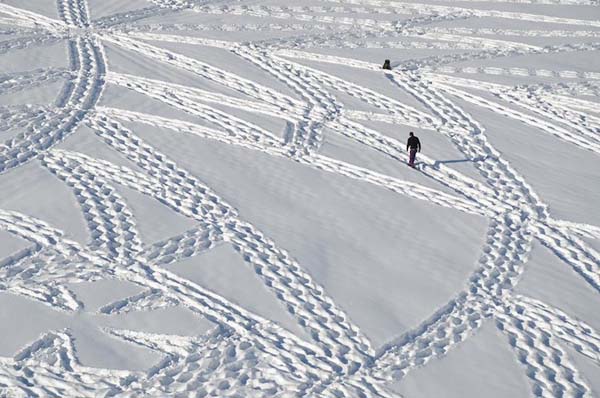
{"x": 436, "y": 164}
{"x": 449, "y": 161}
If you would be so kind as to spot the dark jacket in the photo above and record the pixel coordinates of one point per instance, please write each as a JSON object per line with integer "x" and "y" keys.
{"x": 413, "y": 143}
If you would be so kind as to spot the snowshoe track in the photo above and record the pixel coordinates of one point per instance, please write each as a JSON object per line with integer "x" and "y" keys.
{"x": 246, "y": 354}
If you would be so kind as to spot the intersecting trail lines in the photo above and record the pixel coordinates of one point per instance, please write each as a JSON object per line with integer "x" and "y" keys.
{"x": 452, "y": 115}
{"x": 583, "y": 130}
{"x": 186, "y": 99}
{"x": 379, "y": 27}
{"x": 174, "y": 288}
{"x": 376, "y": 27}
{"x": 437, "y": 10}
{"x": 314, "y": 310}
{"x": 370, "y": 6}
{"x": 77, "y": 97}
{"x": 489, "y": 155}
{"x": 320, "y": 162}
{"x": 494, "y": 168}
{"x": 248, "y": 355}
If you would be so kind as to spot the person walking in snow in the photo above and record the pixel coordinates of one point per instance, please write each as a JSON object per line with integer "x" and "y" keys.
{"x": 413, "y": 145}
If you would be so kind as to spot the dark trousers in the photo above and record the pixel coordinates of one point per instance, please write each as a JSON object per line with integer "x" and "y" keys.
{"x": 411, "y": 157}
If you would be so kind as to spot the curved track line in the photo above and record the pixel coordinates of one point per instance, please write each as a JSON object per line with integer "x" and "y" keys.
{"x": 300, "y": 294}
{"x": 73, "y": 104}
{"x": 246, "y": 347}
{"x": 410, "y": 189}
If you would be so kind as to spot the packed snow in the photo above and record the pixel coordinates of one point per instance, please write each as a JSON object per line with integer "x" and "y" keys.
{"x": 212, "y": 198}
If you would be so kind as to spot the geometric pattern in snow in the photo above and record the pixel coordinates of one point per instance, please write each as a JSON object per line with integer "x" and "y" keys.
{"x": 223, "y": 271}
{"x": 481, "y": 366}
{"x": 547, "y": 280}
{"x": 246, "y": 354}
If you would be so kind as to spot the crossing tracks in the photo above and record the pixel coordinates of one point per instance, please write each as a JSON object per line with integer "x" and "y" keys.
{"x": 247, "y": 354}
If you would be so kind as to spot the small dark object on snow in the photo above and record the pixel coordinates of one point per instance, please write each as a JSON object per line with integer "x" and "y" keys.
{"x": 413, "y": 145}
{"x": 386, "y": 64}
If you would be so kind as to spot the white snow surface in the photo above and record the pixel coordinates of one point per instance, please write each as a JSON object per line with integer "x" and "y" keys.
{"x": 212, "y": 199}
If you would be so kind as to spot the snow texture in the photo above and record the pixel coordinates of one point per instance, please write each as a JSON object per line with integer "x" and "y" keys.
{"x": 211, "y": 198}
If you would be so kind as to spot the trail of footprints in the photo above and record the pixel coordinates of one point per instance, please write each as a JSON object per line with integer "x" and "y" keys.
{"x": 246, "y": 354}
